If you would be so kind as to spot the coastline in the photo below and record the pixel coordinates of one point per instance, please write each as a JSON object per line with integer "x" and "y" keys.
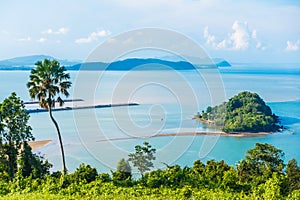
{"x": 37, "y": 144}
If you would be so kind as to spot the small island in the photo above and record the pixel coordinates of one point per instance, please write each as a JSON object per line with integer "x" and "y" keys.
{"x": 245, "y": 112}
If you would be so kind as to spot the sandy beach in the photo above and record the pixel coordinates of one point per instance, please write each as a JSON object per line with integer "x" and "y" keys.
{"x": 37, "y": 144}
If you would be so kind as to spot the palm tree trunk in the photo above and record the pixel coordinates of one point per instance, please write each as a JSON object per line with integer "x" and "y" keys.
{"x": 64, "y": 168}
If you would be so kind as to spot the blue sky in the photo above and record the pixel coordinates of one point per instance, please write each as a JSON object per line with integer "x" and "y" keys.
{"x": 239, "y": 31}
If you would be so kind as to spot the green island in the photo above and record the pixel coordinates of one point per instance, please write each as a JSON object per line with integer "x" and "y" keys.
{"x": 245, "y": 112}
{"x": 262, "y": 174}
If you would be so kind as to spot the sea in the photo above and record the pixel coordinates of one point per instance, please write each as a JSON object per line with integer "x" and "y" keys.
{"x": 167, "y": 101}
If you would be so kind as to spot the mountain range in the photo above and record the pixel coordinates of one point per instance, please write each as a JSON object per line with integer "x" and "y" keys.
{"x": 27, "y": 63}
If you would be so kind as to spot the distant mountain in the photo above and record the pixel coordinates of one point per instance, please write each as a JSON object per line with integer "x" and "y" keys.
{"x": 219, "y": 62}
{"x": 27, "y": 62}
{"x": 223, "y": 63}
{"x": 144, "y": 64}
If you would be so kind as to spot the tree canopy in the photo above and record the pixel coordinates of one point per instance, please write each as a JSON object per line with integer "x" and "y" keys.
{"x": 142, "y": 158}
{"x": 15, "y": 154}
{"x": 260, "y": 175}
{"x": 245, "y": 112}
{"x": 14, "y": 131}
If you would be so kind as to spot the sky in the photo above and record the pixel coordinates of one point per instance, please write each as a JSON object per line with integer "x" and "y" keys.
{"x": 259, "y": 31}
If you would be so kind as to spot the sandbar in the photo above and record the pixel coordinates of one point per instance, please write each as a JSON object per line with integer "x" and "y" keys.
{"x": 222, "y": 134}
{"x": 37, "y": 144}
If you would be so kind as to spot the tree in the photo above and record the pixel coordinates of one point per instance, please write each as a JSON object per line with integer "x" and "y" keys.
{"x": 123, "y": 171}
{"x": 260, "y": 163}
{"x": 47, "y": 82}
{"x": 142, "y": 158}
{"x": 14, "y": 132}
{"x": 293, "y": 175}
{"x": 214, "y": 172}
{"x": 122, "y": 176}
{"x": 85, "y": 173}
{"x": 267, "y": 156}
{"x": 32, "y": 164}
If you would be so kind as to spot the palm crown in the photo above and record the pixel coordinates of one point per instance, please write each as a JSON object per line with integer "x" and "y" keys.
{"x": 47, "y": 81}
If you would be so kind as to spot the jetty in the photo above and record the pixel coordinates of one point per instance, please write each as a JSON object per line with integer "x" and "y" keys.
{"x": 78, "y": 107}
{"x": 66, "y": 101}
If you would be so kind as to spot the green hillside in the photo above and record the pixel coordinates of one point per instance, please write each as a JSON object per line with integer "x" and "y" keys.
{"x": 245, "y": 112}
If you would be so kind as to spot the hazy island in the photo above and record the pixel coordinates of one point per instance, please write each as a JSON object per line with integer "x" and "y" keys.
{"x": 28, "y": 63}
{"x": 245, "y": 112}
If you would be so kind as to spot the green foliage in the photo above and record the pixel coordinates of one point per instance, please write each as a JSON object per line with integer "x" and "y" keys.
{"x": 47, "y": 81}
{"x": 266, "y": 156}
{"x": 271, "y": 189}
{"x": 142, "y": 158}
{"x": 14, "y": 132}
{"x": 31, "y": 164}
{"x": 230, "y": 181}
{"x": 85, "y": 173}
{"x": 122, "y": 175}
{"x": 293, "y": 175}
{"x": 212, "y": 180}
{"x": 214, "y": 171}
{"x": 260, "y": 163}
{"x": 104, "y": 177}
{"x": 245, "y": 112}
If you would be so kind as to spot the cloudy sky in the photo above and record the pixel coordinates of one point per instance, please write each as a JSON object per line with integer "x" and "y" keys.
{"x": 239, "y": 31}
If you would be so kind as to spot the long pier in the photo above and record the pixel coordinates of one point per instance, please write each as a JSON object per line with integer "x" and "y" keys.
{"x": 38, "y": 110}
{"x": 65, "y": 100}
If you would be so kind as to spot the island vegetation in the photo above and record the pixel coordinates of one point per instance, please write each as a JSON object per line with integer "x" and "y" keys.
{"x": 245, "y": 112}
{"x": 262, "y": 174}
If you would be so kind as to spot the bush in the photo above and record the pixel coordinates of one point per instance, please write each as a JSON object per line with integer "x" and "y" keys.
{"x": 85, "y": 173}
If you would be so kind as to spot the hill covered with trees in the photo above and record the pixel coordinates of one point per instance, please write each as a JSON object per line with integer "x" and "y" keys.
{"x": 262, "y": 174}
{"x": 245, "y": 112}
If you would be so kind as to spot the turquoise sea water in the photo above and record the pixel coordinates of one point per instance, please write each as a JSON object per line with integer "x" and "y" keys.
{"x": 167, "y": 101}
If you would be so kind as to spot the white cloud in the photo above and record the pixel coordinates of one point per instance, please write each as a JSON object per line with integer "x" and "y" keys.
{"x": 93, "y": 36}
{"x": 292, "y": 46}
{"x": 210, "y": 39}
{"x": 63, "y": 31}
{"x": 240, "y": 39}
{"x": 57, "y": 32}
{"x": 49, "y": 31}
{"x": 223, "y": 44}
{"x": 41, "y": 40}
{"x": 27, "y": 39}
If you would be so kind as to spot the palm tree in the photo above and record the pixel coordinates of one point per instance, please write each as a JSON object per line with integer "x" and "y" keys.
{"x": 46, "y": 83}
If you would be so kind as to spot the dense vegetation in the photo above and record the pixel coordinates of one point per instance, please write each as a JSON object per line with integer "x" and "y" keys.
{"x": 16, "y": 158}
{"x": 245, "y": 112}
{"x": 23, "y": 174}
{"x": 261, "y": 175}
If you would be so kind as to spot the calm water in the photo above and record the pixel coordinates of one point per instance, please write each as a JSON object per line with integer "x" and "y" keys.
{"x": 168, "y": 100}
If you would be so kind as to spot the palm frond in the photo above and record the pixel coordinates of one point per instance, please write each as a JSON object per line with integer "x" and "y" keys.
{"x": 47, "y": 81}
